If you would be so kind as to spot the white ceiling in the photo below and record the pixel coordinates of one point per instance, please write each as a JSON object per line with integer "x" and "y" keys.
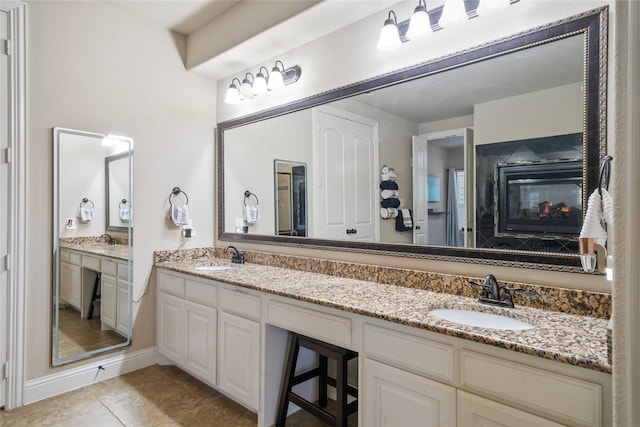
{"x": 181, "y": 16}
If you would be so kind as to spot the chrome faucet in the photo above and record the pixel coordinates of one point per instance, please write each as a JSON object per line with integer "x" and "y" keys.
{"x": 236, "y": 256}
{"x": 111, "y": 241}
{"x": 490, "y": 292}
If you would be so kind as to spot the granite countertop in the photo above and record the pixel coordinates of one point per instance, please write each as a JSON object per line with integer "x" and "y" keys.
{"x": 577, "y": 340}
{"x": 117, "y": 251}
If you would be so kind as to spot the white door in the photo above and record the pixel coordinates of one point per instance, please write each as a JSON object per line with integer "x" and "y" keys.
{"x": 171, "y": 339}
{"x": 419, "y": 171}
{"x": 345, "y": 160}
{"x": 4, "y": 201}
{"x": 200, "y": 355}
{"x": 108, "y": 301}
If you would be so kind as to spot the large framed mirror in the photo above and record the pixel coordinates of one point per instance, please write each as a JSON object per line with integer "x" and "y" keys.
{"x": 536, "y": 99}
{"x": 92, "y": 268}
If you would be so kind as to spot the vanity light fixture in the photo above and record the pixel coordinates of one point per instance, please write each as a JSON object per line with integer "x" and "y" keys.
{"x": 262, "y": 83}
{"x": 389, "y": 34}
{"x": 451, "y": 13}
{"x": 233, "y": 96}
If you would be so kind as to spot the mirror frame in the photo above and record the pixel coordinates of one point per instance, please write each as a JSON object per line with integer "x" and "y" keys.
{"x": 107, "y": 161}
{"x": 55, "y": 359}
{"x": 592, "y": 24}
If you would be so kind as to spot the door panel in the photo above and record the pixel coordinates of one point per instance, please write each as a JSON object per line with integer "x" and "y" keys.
{"x": 420, "y": 210}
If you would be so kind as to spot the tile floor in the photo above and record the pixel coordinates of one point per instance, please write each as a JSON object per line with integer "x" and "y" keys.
{"x": 153, "y": 396}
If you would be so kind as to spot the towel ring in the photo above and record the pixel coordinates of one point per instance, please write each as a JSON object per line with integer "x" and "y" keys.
{"x": 124, "y": 202}
{"x": 175, "y": 192}
{"x": 85, "y": 201}
{"x": 248, "y": 194}
{"x": 605, "y": 168}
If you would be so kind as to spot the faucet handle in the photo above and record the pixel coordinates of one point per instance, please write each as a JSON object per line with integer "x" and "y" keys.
{"x": 507, "y": 297}
{"x": 484, "y": 293}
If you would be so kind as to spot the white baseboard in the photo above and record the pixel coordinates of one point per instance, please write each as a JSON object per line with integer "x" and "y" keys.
{"x": 71, "y": 379}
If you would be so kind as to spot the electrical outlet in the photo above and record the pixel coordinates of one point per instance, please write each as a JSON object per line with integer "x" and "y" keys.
{"x": 188, "y": 231}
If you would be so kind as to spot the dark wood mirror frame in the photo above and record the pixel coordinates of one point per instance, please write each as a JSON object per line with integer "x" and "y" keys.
{"x": 593, "y": 24}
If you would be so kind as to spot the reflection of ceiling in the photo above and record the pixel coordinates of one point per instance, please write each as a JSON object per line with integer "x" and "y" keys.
{"x": 454, "y": 93}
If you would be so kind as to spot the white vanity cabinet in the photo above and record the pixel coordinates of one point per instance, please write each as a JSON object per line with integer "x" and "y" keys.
{"x": 187, "y": 320}
{"x": 239, "y": 346}
{"x": 71, "y": 278}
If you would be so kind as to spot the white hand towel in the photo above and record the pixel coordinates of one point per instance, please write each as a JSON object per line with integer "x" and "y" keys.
{"x": 390, "y": 176}
{"x": 594, "y": 219}
{"x": 125, "y": 214}
{"x": 384, "y": 213}
{"x": 86, "y": 214}
{"x": 387, "y": 194}
{"x": 179, "y": 215}
{"x": 406, "y": 218}
{"x": 251, "y": 214}
{"x": 393, "y": 212}
{"x": 387, "y": 169}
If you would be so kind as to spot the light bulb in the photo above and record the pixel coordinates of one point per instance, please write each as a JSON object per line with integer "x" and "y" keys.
{"x": 419, "y": 24}
{"x": 389, "y": 35}
{"x": 276, "y": 81}
{"x": 246, "y": 91}
{"x": 260, "y": 84}
{"x": 490, "y": 7}
{"x": 232, "y": 97}
{"x": 453, "y": 13}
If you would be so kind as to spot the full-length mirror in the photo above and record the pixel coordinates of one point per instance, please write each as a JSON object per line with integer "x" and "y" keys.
{"x": 93, "y": 269}
{"x": 387, "y": 170}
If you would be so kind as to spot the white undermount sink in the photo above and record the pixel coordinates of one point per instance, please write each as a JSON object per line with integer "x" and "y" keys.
{"x": 212, "y": 267}
{"x": 480, "y": 319}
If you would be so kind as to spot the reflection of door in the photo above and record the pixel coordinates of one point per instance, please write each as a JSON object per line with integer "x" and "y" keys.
{"x": 469, "y": 195}
{"x": 420, "y": 177}
{"x": 345, "y": 167}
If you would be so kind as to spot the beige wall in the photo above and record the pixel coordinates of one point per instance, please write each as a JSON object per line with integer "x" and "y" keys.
{"x": 94, "y": 67}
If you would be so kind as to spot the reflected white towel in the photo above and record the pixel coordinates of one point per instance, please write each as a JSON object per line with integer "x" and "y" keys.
{"x": 125, "y": 214}
{"x": 387, "y": 194}
{"x": 387, "y": 169}
{"x": 406, "y": 218}
{"x": 391, "y": 176}
{"x": 86, "y": 214}
{"x": 180, "y": 215}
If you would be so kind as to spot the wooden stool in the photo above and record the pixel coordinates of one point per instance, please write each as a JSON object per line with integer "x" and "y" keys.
{"x": 290, "y": 379}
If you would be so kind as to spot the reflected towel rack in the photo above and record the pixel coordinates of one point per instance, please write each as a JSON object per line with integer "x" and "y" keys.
{"x": 85, "y": 201}
{"x": 248, "y": 194}
{"x": 176, "y": 192}
{"x": 124, "y": 202}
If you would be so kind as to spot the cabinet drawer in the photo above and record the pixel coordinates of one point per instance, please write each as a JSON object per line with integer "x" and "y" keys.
{"x": 65, "y": 256}
{"x": 109, "y": 268}
{"x": 91, "y": 262}
{"x": 568, "y": 400}
{"x": 315, "y": 324}
{"x": 123, "y": 271}
{"x": 417, "y": 354}
{"x": 239, "y": 302}
{"x": 202, "y": 292}
{"x": 171, "y": 284}
{"x": 73, "y": 257}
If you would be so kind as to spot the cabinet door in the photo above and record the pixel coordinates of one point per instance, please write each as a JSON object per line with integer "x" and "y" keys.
{"x": 397, "y": 398}
{"x": 70, "y": 284}
{"x": 239, "y": 358}
{"x": 171, "y": 336}
{"x": 122, "y": 307}
{"x": 200, "y": 355}
{"x": 475, "y": 411}
{"x": 108, "y": 293}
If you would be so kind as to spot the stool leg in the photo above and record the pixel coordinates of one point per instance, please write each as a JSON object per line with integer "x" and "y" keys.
{"x": 341, "y": 392}
{"x": 287, "y": 381}
{"x": 322, "y": 381}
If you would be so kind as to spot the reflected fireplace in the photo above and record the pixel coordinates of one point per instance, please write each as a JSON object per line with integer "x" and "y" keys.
{"x": 539, "y": 199}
